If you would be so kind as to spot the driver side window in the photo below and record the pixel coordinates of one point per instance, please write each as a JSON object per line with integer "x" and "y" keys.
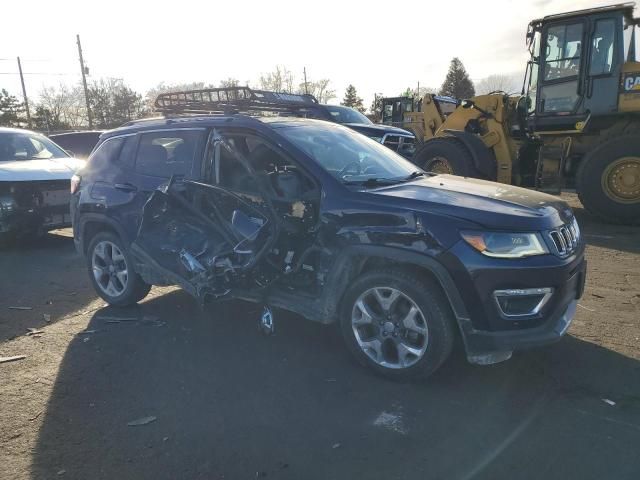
{"x": 271, "y": 169}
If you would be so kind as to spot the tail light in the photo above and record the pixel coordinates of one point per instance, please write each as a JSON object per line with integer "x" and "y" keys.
{"x": 75, "y": 183}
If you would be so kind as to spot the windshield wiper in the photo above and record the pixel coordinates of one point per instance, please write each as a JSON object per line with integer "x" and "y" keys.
{"x": 372, "y": 182}
{"x": 415, "y": 174}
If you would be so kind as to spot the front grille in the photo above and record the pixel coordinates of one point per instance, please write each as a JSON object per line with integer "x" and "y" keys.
{"x": 397, "y": 142}
{"x": 565, "y": 239}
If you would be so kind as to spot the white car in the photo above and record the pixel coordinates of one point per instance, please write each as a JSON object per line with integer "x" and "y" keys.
{"x": 35, "y": 176}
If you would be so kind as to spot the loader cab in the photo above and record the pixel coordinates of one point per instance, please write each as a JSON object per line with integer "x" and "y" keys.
{"x": 575, "y": 66}
{"x": 394, "y": 108}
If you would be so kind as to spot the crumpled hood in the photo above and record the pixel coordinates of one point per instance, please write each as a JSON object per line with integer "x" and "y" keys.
{"x": 489, "y": 204}
{"x": 34, "y": 170}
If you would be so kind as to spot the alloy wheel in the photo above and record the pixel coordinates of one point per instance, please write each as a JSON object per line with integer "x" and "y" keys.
{"x": 109, "y": 268}
{"x": 389, "y": 327}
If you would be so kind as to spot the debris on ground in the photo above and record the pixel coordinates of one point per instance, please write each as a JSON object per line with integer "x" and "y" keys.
{"x": 31, "y": 332}
{"x": 586, "y": 308}
{"x": 142, "y": 421}
{"x": 330, "y": 380}
{"x": 266, "y": 321}
{"x": 87, "y": 332}
{"x": 336, "y": 445}
{"x": 597, "y": 296}
{"x": 20, "y": 308}
{"x": 35, "y": 417}
{"x": 12, "y": 359}
{"x": 61, "y": 472}
{"x": 46, "y": 317}
{"x": 609, "y": 402}
{"x": 110, "y": 319}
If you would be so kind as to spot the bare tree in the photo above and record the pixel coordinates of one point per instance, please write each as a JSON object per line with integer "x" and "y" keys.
{"x": 279, "y": 80}
{"x": 319, "y": 89}
{"x": 62, "y": 107}
{"x": 498, "y": 83}
{"x": 230, "y": 82}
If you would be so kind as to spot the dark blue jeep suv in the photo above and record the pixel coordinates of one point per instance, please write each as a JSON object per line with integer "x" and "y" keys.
{"x": 315, "y": 218}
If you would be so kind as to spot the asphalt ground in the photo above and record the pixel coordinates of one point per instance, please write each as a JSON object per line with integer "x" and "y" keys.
{"x": 218, "y": 399}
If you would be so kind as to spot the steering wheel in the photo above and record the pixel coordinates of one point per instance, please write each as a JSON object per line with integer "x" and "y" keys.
{"x": 347, "y": 168}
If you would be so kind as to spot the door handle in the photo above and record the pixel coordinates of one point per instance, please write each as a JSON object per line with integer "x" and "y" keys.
{"x": 125, "y": 187}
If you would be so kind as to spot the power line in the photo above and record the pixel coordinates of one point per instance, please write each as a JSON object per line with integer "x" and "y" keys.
{"x": 37, "y": 73}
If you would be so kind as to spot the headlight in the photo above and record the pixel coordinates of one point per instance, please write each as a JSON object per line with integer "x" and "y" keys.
{"x": 506, "y": 245}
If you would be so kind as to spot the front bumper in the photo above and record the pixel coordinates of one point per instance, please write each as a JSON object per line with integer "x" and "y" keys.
{"x": 490, "y": 336}
{"x": 33, "y": 207}
{"x": 485, "y": 347}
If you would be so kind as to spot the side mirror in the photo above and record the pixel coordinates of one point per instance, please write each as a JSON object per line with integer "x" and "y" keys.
{"x": 467, "y": 104}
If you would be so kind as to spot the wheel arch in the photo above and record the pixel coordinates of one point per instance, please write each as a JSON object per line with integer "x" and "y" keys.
{"x": 92, "y": 223}
{"x": 354, "y": 261}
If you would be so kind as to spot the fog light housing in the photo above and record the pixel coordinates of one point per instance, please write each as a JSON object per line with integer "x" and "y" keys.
{"x": 516, "y": 302}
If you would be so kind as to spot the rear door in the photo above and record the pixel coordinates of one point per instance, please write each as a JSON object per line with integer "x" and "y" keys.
{"x": 138, "y": 164}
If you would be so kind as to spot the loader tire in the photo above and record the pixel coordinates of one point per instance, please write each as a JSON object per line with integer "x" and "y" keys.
{"x": 446, "y": 155}
{"x": 608, "y": 180}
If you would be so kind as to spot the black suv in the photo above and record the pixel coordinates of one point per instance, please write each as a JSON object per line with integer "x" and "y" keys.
{"x": 312, "y": 217}
{"x": 397, "y": 139}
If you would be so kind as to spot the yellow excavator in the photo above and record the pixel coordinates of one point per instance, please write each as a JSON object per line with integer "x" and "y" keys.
{"x": 575, "y": 125}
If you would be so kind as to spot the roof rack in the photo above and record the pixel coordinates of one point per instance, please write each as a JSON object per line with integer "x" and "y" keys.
{"x": 232, "y": 100}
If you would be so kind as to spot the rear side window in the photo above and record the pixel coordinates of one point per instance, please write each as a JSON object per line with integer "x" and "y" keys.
{"x": 167, "y": 153}
{"x": 106, "y": 153}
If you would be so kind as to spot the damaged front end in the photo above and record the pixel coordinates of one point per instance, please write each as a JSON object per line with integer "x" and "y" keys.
{"x": 203, "y": 238}
{"x": 33, "y": 207}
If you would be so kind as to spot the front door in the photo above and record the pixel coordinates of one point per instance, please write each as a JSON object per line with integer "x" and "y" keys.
{"x": 560, "y": 89}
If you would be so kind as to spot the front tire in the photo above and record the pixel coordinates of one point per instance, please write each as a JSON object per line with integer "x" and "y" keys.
{"x": 111, "y": 271}
{"x": 446, "y": 155}
{"x": 608, "y": 180}
{"x": 397, "y": 324}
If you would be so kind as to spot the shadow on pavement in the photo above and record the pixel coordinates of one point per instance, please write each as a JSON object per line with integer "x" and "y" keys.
{"x": 44, "y": 274}
{"x": 231, "y": 403}
{"x": 613, "y": 237}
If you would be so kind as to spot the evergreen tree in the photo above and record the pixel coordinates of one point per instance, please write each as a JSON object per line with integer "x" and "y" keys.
{"x": 11, "y": 110}
{"x": 375, "y": 110}
{"x": 351, "y": 99}
{"x": 457, "y": 84}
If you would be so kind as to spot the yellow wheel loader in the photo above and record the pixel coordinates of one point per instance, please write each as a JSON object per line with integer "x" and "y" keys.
{"x": 576, "y": 124}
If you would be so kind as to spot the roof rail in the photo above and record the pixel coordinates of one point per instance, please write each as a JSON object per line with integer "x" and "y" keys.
{"x": 232, "y": 100}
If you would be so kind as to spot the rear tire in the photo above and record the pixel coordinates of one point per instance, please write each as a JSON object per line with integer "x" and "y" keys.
{"x": 608, "y": 180}
{"x": 410, "y": 339}
{"x": 110, "y": 268}
{"x": 446, "y": 155}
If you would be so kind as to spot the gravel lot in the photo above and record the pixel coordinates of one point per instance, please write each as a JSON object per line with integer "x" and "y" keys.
{"x": 219, "y": 400}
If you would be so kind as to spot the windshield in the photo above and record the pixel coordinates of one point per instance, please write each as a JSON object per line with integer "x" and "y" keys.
{"x": 349, "y": 156}
{"x": 27, "y": 146}
{"x": 347, "y": 115}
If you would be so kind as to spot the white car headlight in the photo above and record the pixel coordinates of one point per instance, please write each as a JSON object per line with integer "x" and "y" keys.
{"x": 506, "y": 245}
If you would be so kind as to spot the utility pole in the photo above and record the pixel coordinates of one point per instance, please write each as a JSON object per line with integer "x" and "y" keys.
{"x": 306, "y": 90}
{"x": 24, "y": 93}
{"x": 418, "y": 90}
{"x": 84, "y": 82}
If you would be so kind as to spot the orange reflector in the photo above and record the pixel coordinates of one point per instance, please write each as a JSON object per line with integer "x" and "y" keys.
{"x": 475, "y": 240}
